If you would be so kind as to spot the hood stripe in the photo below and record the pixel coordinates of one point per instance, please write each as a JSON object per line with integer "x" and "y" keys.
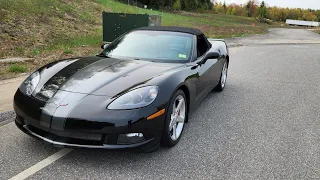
{"x": 111, "y": 65}
{"x": 56, "y": 81}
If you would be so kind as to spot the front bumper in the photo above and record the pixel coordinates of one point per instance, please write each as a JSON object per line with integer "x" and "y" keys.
{"x": 94, "y": 140}
{"x": 88, "y": 124}
{"x": 61, "y": 141}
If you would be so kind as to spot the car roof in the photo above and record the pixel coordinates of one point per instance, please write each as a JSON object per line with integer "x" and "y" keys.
{"x": 193, "y": 31}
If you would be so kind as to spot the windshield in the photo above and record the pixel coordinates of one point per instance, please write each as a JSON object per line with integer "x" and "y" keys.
{"x": 152, "y": 45}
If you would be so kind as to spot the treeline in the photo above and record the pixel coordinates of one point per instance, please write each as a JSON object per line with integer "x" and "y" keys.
{"x": 254, "y": 9}
{"x": 187, "y": 5}
{"x": 174, "y": 5}
{"x": 250, "y": 9}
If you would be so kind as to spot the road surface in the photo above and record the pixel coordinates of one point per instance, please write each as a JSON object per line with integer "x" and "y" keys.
{"x": 265, "y": 125}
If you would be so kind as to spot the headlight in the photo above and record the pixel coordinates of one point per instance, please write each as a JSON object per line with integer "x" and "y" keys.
{"x": 30, "y": 84}
{"x": 137, "y": 98}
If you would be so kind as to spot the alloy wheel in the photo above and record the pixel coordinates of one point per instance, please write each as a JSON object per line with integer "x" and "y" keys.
{"x": 177, "y": 118}
{"x": 224, "y": 74}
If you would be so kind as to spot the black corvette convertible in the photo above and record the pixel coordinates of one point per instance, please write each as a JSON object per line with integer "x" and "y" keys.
{"x": 137, "y": 93}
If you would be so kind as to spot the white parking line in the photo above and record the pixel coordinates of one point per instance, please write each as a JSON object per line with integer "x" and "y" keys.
{"x": 42, "y": 164}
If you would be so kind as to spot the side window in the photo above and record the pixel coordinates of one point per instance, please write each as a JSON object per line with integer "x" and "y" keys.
{"x": 202, "y": 45}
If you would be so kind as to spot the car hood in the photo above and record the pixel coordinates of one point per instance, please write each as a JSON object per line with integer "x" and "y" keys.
{"x": 97, "y": 75}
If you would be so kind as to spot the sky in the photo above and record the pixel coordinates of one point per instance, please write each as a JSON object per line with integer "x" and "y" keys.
{"x": 313, "y": 4}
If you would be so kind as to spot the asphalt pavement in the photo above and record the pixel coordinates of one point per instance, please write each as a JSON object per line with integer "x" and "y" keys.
{"x": 264, "y": 125}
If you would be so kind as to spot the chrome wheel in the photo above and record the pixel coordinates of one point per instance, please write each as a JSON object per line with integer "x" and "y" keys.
{"x": 177, "y": 118}
{"x": 224, "y": 75}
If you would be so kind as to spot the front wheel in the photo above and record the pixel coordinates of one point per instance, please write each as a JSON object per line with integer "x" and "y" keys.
{"x": 223, "y": 77}
{"x": 175, "y": 119}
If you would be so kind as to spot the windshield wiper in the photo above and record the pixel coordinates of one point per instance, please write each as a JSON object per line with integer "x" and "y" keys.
{"x": 102, "y": 55}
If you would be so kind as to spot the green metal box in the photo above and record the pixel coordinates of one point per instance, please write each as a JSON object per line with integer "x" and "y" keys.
{"x": 116, "y": 24}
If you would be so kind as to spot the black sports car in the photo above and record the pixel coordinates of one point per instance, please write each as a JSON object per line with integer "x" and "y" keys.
{"x": 137, "y": 93}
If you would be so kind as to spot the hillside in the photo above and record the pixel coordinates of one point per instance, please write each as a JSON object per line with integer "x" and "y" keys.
{"x": 47, "y": 30}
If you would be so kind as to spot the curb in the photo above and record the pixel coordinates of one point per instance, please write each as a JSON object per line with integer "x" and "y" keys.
{"x": 18, "y": 75}
{"x": 15, "y": 59}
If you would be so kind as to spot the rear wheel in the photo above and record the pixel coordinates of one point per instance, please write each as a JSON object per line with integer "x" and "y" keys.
{"x": 223, "y": 77}
{"x": 175, "y": 119}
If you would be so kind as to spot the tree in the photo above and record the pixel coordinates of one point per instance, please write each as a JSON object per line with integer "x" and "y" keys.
{"x": 251, "y": 8}
{"x": 177, "y": 5}
{"x": 189, "y": 5}
{"x": 309, "y": 16}
{"x": 234, "y": 11}
{"x": 224, "y": 7}
{"x": 263, "y": 12}
{"x": 218, "y": 8}
{"x": 229, "y": 11}
{"x": 318, "y": 15}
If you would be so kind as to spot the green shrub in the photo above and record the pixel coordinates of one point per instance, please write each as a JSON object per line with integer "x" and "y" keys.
{"x": 36, "y": 52}
{"x": 68, "y": 51}
{"x": 15, "y": 68}
{"x": 177, "y": 5}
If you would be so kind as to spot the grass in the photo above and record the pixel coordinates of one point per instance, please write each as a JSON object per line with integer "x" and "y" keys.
{"x": 36, "y": 52}
{"x": 76, "y": 42}
{"x": 68, "y": 51}
{"x": 213, "y": 25}
{"x": 46, "y": 25}
{"x": 16, "y": 68}
{"x": 47, "y": 30}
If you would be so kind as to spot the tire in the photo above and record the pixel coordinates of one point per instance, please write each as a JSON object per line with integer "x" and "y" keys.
{"x": 223, "y": 78}
{"x": 175, "y": 119}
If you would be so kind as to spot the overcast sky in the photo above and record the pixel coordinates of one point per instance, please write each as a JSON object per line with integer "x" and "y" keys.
{"x": 313, "y": 4}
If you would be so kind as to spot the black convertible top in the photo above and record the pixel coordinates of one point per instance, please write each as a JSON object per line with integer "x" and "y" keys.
{"x": 172, "y": 29}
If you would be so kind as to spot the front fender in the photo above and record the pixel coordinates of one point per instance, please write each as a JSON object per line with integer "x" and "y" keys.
{"x": 170, "y": 82}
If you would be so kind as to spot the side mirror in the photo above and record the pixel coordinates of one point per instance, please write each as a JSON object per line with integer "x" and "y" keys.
{"x": 213, "y": 55}
{"x": 103, "y": 46}
{"x": 210, "y": 55}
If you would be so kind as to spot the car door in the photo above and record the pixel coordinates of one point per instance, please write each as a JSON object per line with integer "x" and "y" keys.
{"x": 205, "y": 68}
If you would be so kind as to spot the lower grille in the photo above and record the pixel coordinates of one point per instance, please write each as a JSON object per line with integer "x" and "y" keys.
{"x": 69, "y": 137}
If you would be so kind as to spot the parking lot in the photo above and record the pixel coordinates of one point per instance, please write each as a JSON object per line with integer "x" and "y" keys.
{"x": 265, "y": 125}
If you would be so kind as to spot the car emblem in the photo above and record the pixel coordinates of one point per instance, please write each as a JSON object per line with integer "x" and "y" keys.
{"x": 63, "y": 105}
